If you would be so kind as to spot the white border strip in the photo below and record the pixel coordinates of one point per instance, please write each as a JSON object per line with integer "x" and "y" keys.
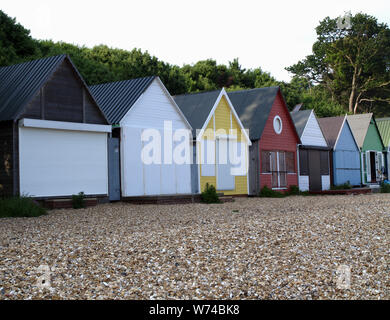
{"x": 61, "y": 125}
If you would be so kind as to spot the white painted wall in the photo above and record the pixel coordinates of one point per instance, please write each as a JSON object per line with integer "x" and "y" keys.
{"x": 325, "y": 182}
{"x": 312, "y": 134}
{"x": 304, "y": 183}
{"x": 62, "y": 162}
{"x": 138, "y": 179}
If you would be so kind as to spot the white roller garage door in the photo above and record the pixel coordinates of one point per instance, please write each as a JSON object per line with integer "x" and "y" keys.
{"x": 62, "y": 162}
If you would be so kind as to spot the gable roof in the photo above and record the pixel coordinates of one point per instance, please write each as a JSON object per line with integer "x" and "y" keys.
{"x": 253, "y": 107}
{"x": 384, "y": 129}
{"x": 19, "y": 84}
{"x": 331, "y": 127}
{"x": 359, "y": 124}
{"x": 300, "y": 119}
{"x": 197, "y": 106}
{"x": 117, "y": 98}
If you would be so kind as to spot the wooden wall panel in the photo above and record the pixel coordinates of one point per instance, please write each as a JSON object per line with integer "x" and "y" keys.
{"x": 6, "y": 159}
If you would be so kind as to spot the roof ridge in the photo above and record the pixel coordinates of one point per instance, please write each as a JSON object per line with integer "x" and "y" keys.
{"x": 198, "y": 92}
{"x": 122, "y": 81}
{"x": 33, "y": 61}
{"x": 252, "y": 89}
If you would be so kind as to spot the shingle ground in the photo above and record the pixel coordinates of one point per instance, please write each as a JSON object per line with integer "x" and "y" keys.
{"x": 254, "y": 248}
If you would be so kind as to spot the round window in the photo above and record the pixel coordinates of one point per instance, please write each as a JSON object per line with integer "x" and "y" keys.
{"x": 278, "y": 125}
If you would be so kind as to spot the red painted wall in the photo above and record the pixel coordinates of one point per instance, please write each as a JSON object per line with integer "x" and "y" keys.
{"x": 287, "y": 140}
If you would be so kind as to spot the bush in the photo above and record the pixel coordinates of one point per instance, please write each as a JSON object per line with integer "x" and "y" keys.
{"x": 269, "y": 193}
{"x": 294, "y": 190}
{"x": 20, "y": 207}
{"x": 343, "y": 186}
{"x": 385, "y": 188}
{"x": 78, "y": 200}
{"x": 209, "y": 195}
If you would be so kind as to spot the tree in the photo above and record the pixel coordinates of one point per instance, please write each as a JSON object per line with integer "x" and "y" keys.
{"x": 352, "y": 64}
{"x": 16, "y": 44}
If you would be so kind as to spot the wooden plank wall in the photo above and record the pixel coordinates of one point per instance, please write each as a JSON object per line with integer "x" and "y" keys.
{"x": 6, "y": 159}
{"x": 64, "y": 98}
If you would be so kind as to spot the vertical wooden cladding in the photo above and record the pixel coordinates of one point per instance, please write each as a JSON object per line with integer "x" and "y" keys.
{"x": 6, "y": 158}
{"x": 64, "y": 98}
{"x": 286, "y": 141}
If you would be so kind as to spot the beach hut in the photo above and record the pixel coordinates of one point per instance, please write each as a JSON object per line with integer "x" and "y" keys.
{"x": 384, "y": 130}
{"x": 53, "y": 134}
{"x": 345, "y": 153}
{"x": 369, "y": 140}
{"x": 273, "y": 153}
{"x": 148, "y": 126}
{"x": 314, "y": 172}
{"x": 220, "y": 142}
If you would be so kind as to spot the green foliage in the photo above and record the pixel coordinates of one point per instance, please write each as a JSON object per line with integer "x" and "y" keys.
{"x": 322, "y": 81}
{"x": 352, "y": 65}
{"x": 16, "y": 44}
{"x": 266, "y": 192}
{"x": 78, "y": 201}
{"x": 343, "y": 186}
{"x": 385, "y": 187}
{"x": 294, "y": 190}
{"x": 209, "y": 195}
{"x": 20, "y": 207}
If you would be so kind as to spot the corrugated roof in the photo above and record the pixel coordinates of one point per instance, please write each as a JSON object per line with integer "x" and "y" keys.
{"x": 359, "y": 124}
{"x": 384, "y": 129}
{"x": 331, "y": 127}
{"x": 20, "y": 83}
{"x": 253, "y": 107}
{"x": 300, "y": 119}
{"x": 197, "y": 106}
{"x": 117, "y": 98}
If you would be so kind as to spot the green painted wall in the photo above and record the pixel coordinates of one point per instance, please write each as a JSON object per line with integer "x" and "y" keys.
{"x": 372, "y": 140}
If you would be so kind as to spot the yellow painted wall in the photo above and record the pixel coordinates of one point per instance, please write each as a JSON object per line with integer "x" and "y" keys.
{"x": 222, "y": 120}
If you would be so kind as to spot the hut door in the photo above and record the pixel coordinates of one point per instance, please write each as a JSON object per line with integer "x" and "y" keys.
{"x": 373, "y": 165}
{"x": 113, "y": 169}
{"x": 368, "y": 166}
{"x": 225, "y": 180}
{"x": 314, "y": 171}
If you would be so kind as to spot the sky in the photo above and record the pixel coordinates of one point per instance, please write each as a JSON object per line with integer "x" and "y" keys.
{"x": 267, "y": 34}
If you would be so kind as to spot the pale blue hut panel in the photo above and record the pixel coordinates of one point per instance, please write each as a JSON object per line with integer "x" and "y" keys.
{"x": 346, "y": 159}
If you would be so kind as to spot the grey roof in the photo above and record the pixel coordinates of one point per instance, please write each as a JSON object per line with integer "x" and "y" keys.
{"x": 359, "y": 124}
{"x": 331, "y": 127}
{"x": 253, "y": 107}
{"x": 117, "y": 98}
{"x": 20, "y": 83}
{"x": 300, "y": 119}
{"x": 197, "y": 106}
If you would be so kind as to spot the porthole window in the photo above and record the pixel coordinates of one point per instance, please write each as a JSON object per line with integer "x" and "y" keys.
{"x": 278, "y": 125}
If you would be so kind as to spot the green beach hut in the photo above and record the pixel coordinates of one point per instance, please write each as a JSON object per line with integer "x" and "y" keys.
{"x": 368, "y": 138}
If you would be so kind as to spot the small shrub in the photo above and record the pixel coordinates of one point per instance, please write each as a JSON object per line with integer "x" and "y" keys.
{"x": 209, "y": 195}
{"x": 294, "y": 190}
{"x": 385, "y": 187}
{"x": 78, "y": 201}
{"x": 343, "y": 186}
{"x": 22, "y": 206}
{"x": 266, "y": 192}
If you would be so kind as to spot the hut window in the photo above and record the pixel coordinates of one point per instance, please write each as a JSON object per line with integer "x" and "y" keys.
{"x": 324, "y": 162}
{"x": 265, "y": 162}
{"x": 303, "y": 163}
{"x": 278, "y": 124}
{"x": 290, "y": 163}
